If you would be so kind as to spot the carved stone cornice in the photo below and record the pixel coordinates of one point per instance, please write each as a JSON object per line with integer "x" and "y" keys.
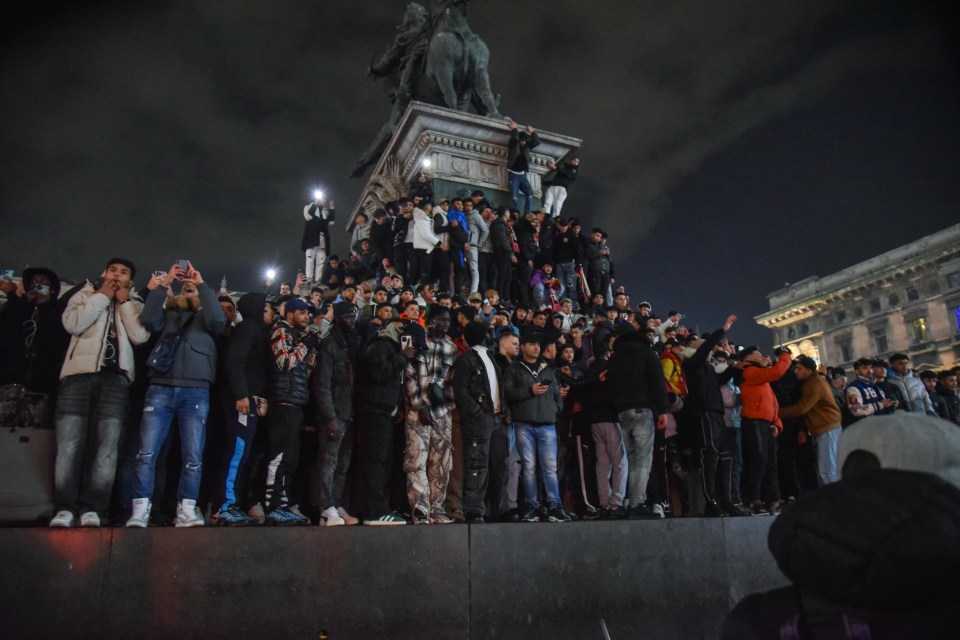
{"x": 462, "y": 148}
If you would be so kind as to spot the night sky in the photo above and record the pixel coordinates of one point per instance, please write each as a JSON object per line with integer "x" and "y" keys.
{"x": 729, "y": 147}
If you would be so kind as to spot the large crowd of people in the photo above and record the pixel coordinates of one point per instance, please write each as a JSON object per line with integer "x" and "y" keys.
{"x": 461, "y": 362}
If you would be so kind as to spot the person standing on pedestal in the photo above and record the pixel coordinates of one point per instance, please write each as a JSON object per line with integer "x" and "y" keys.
{"x": 518, "y": 163}
{"x": 555, "y": 187}
{"x": 316, "y": 235}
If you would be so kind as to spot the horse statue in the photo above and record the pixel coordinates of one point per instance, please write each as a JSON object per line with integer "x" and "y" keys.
{"x": 435, "y": 58}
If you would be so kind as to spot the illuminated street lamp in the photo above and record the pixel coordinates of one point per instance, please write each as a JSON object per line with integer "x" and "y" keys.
{"x": 270, "y": 274}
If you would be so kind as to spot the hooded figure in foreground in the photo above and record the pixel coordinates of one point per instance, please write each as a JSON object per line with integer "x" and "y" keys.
{"x": 874, "y": 555}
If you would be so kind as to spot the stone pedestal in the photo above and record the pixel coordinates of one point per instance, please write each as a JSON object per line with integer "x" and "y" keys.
{"x": 465, "y": 152}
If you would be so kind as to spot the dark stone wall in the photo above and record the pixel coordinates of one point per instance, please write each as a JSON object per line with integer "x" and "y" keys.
{"x": 673, "y": 578}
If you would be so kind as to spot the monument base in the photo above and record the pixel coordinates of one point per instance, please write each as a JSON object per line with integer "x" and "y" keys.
{"x": 665, "y": 579}
{"x": 464, "y": 151}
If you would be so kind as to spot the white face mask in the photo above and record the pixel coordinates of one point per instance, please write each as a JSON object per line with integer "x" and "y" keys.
{"x": 720, "y": 367}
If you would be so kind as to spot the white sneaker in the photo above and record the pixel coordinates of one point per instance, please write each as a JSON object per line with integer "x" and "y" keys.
{"x": 657, "y": 510}
{"x": 141, "y": 513}
{"x": 63, "y": 520}
{"x": 89, "y": 519}
{"x": 331, "y": 518}
{"x": 257, "y": 513}
{"x": 348, "y": 519}
{"x": 188, "y": 514}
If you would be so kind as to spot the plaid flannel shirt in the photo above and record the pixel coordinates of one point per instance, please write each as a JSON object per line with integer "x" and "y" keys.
{"x": 433, "y": 364}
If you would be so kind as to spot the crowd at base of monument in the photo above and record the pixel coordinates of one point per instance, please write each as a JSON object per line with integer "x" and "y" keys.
{"x": 498, "y": 415}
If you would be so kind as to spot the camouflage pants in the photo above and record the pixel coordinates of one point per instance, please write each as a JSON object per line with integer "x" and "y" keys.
{"x": 427, "y": 461}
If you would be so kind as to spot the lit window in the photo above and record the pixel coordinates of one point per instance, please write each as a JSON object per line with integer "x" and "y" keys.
{"x": 920, "y": 330}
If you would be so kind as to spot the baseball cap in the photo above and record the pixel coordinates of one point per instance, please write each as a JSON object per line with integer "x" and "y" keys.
{"x": 905, "y": 440}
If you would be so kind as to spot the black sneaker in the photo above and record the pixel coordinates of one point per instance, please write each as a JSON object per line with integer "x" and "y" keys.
{"x": 419, "y": 517}
{"x": 712, "y": 510}
{"x": 593, "y": 514}
{"x": 734, "y": 510}
{"x": 618, "y": 513}
{"x": 475, "y": 520}
{"x": 760, "y": 509}
{"x": 642, "y": 512}
{"x": 509, "y": 516}
{"x": 532, "y": 515}
{"x": 558, "y": 514}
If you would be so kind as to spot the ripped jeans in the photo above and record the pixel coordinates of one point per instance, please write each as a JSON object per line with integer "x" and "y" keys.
{"x": 190, "y": 406}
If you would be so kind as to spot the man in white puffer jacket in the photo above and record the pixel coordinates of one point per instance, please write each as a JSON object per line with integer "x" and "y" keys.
{"x": 424, "y": 243}
{"x": 103, "y": 320}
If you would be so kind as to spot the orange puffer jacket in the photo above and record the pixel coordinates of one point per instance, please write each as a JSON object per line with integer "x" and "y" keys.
{"x": 756, "y": 395}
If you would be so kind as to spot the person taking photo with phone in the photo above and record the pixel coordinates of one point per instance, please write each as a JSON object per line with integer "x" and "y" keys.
{"x": 178, "y": 389}
{"x": 33, "y": 341}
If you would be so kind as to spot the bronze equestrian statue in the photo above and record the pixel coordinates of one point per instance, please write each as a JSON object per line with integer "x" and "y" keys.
{"x": 435, "y": 58}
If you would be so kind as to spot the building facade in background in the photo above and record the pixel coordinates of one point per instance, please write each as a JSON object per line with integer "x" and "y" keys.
{"x": 906, "y": 300}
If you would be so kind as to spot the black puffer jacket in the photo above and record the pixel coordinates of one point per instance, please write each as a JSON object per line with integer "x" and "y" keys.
{"x": 525, "y": 238}
{"x": 526, "y": 407}
{"x": 381, "y": 239}
{"x": 593, "y": 394}
{"x": 500, "y": 239}
{"x": 563, "y": 176}
{"x": 703, "y": 383}
{"x": 518, "y": 157}
{"x": 38, "y": 366}
{"x": 381, "y": 376}
{"x": 399, "y": 229}
{"x": 248, "y": 350}
{"x": 471, "y": 388}
{"x": 635, "y": 375}
{"x": 881, "y": 548}
{"x": 331, "y": 382}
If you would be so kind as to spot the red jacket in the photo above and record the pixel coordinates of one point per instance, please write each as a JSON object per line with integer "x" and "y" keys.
{"x": 756, "y": 396}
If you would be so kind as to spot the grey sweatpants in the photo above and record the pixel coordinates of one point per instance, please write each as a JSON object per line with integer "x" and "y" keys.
{"x": 611, "y": 460}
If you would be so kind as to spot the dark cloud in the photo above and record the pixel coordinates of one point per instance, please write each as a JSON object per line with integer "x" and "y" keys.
{"x": 198, "y": 129}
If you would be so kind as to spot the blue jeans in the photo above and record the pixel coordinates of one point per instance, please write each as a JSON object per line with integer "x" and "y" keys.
{"x": 190, "y": 406}
{"x": 826, "y": 446}
{"x": 91, "y": 408}
{"x": 539, "y": 441}
{"x": 540, "y": 296}
{"x": 567, "y": 273}
{"x": 520, "y": 184}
